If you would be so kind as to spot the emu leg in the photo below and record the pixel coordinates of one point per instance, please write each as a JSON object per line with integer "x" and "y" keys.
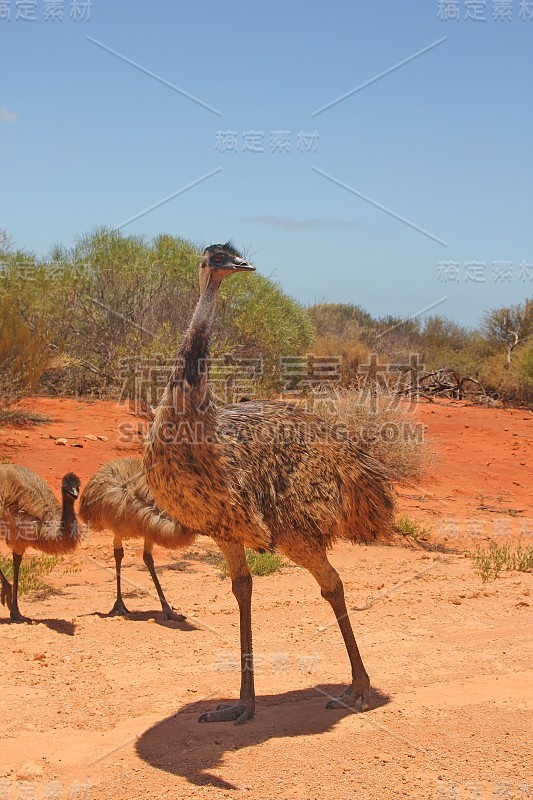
{"x": 168, "y": 612}
{"x": 119, "y": 609}
{"x": 332, "y": 590}
{"x": 241, "y": 585}
{"x": 6, "y": 593}
{"x": 14, "y": 613}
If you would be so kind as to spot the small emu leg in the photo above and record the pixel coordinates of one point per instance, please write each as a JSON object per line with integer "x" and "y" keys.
{"x": 241, "y": 585}
{"x": 119, "y": 609}
{"x": 332, "y": 590}
{"x": 14, "y": 613}
{"x": 6, "y": 593}
{"x": 168, "y": 612}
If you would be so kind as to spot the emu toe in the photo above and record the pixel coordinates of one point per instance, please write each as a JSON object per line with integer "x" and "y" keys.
{"x": 238, "y": 714}
{"x": 169, "y": 615}
{"x": 349, "y": 698}
{"x": 119, "y": 609}
{"x": 16, "y": 616}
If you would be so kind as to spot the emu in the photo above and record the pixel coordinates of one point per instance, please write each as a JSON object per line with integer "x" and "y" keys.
{"x": 117, "y": 498}
{"x": 30, "y": 516}
{"x": 261, "y": 474}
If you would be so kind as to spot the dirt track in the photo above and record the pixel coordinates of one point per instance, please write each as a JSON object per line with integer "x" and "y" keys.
{"x": 113, "y": 703}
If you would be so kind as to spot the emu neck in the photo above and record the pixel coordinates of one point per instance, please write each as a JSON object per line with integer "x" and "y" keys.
{"x": 202, "y": 319}
{"x": 194, "y": 348}
{"x": 188, "y": 392}
{"x": 68, "y": 518}
{"x": 181, "y": 455}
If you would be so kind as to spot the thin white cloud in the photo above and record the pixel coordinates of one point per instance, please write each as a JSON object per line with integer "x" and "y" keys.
{"x": 293, "y": 223}
{"x": 8, "y": 116}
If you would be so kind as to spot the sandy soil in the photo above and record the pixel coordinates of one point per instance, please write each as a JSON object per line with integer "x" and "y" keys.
{"x": 101, "y": 707}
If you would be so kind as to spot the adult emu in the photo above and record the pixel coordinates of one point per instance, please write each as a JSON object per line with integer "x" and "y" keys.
{"x": 30, "y": 516}
{"x": 264, "y": 475}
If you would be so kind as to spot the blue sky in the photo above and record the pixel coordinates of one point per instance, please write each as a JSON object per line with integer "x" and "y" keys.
{"x": 442, "y": 141}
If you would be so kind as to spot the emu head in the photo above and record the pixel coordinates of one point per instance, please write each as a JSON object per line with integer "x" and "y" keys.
{"x": 70, "y": 485}
{"x": 219, "y": 261}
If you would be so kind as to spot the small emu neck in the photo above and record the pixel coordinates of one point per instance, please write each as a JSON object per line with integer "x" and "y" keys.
{"x": 68, "y": 518}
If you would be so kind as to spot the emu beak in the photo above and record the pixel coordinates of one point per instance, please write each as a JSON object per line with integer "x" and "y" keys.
{"x": 240, "y": 265}
{"x": 73, "y": 492}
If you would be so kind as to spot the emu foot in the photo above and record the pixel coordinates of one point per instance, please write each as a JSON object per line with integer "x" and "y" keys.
{"x": 16, "y": 616}
{"x": 169, "y": 615}
{"x": 119, "y": 609}
{"x": 359, "y": 690}
{"x": 226, "y": 713}
{"x": 6, "y": 594}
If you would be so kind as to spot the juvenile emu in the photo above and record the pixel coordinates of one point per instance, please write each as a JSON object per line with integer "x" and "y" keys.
{"x": 30, "y": 516}
{"x": 117, "y": 498}
{"x": 265, "y": 475}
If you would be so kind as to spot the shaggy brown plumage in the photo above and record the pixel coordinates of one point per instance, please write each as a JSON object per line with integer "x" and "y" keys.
{"x": 117, "y": 498}
{"x": 262, "y": 474}
{"x": 30, "y": 516}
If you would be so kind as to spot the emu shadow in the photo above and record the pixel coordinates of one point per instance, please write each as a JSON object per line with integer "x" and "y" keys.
{"x": 57, "y": 625}
{"x": 144, "y": 616}
{"x": 181, "y": 746}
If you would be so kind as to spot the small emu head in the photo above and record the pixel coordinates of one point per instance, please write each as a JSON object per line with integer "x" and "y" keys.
{"x": 220, "y": 260}
{"x": 70, "y": 485}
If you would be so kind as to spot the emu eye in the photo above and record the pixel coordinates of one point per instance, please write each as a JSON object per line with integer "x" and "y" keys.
{"x": 218, "y": 258}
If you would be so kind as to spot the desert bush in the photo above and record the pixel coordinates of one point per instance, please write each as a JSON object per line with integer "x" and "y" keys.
{"x": 351, "y": 352}
{"x": 343, "y": 320}
{"x": 113, "y": 297}
{"x": 509, "y": 326}
{"x": 512, "y": 382}
{"x": 24, "y": 354}
{"x": 523, "y": 364}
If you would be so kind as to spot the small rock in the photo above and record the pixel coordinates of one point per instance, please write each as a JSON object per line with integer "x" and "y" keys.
{"x": 91, "y": 437}
{"x": 102, "y": 438}
{"x": 61, "y": 441}
{"x": 76, "y": 444}
{"x": 29, "y": 770}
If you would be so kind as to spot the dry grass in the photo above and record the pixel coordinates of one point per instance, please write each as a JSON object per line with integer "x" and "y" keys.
{"x": 21, "y": 418}
{"x": 383, "y": 425}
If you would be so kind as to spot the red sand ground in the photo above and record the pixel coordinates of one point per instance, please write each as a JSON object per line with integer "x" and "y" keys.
{"x": 113, "y": 703}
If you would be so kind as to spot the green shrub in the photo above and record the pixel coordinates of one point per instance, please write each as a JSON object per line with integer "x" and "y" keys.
{"x": 113, "y": 296}
{"x": 412, "y": 529}
{"x": 489, "y": 563}
{"x": 260, "y": 563}
{"x": 31, "y": 571}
